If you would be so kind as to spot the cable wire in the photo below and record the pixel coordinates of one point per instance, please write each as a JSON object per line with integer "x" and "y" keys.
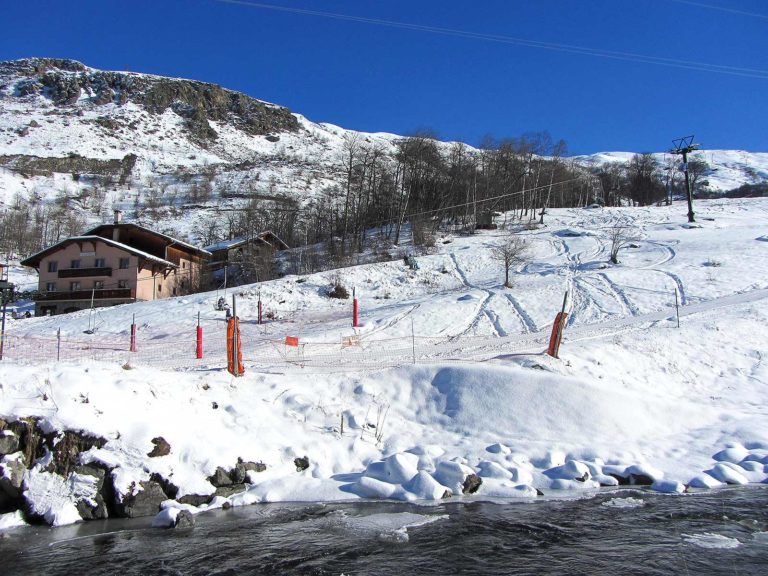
{"x": 558, "y": 47}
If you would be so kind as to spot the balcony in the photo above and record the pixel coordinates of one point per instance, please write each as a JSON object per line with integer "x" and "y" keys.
{"x": 111, "y": 294}
{"x": 84, "y": 272}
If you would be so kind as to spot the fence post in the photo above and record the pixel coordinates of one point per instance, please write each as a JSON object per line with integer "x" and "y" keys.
{"x": 354, "y": 307}
{"x": 259, "y": 306}
{"x": 58, "y": 344}
{"x": 199, "y": 350}
{"x": 2, "y": 327}
{"x": 133, "y": 334}
{"x": 677, "y": 308}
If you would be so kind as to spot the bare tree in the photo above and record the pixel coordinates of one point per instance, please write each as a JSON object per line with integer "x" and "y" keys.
{"x": 620, "y": 235}
{"x": 512, "y": 251}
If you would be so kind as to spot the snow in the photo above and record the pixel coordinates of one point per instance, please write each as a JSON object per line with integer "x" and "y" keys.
{"x": 471, "y": 393}
{"x": 711, "y": 540}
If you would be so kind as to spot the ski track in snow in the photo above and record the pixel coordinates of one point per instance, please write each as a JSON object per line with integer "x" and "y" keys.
{"x": 525, "y": 319}
{"x": 619, "y": 294}
{"x": 482, "y": 310}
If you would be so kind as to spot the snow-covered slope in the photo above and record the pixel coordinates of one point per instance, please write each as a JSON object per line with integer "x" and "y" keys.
{"x": 445, "y": 375}
{"x": 111, "y": 139}
{"x": 728, "y": 169}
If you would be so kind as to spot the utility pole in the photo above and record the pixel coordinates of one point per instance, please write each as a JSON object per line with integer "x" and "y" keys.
{"x": 683, "y": 146}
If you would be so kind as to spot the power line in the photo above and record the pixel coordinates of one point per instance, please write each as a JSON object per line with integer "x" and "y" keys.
{"x": 722, "y": 9}
{"x": 573, "y": 49}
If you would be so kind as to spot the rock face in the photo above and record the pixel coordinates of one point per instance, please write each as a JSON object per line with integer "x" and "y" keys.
{"x": 95, "y": 508}
{"x": 67, "y": 82}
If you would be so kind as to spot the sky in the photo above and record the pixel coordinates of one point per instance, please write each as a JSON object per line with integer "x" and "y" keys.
{"x": 603, "y": 75}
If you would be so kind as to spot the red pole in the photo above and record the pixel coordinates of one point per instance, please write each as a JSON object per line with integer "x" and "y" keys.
{"x": 133, "y": 334}
{"x": 199, "y": 351}
{"x": 354, "y": 308}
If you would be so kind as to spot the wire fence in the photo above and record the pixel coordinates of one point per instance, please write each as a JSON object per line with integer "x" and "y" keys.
{"x": 263, "y": 351}
{"x": 263, "y": 347}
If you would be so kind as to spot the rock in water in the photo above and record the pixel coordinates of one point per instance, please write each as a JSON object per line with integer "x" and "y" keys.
{"x": 471, "y": 484}
{"x": 145, "y": 502}
{"x": 185, "y": 519}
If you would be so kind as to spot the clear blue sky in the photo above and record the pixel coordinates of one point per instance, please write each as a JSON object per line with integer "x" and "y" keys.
{"x": 366, "y": 75}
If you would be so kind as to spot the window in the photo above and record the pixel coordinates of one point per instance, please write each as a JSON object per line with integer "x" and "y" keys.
{"x": 124, "y": 263}
{"x": 159, "y": 288}
{"x": 122, "y": 284}
{"x": 50, "y": 286}
{"x": 53, "y": 266}
{"x": 99, "y": 263}
{"x": 75, "y": 264}
{"x": 74, "y": 286}
{"x": 98, "y": 284}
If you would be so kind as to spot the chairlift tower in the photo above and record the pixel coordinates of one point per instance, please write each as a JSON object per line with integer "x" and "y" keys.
{"x": 683, "y": 146}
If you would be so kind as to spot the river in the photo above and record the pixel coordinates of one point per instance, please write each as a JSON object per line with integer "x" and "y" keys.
{"x": 618, "y": 532}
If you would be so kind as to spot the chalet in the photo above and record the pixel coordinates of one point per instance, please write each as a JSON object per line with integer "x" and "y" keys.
{"x": 235, "y": 251}
{"x": 114, "y": 264}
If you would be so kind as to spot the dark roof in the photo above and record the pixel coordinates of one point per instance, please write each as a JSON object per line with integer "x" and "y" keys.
{"x": 169, "y": 239}
{"x": 235, "y": 242}
{"x": 35, "y": 259}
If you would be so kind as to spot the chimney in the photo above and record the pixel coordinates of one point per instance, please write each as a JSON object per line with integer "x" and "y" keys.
{"x": 116, "y": 229}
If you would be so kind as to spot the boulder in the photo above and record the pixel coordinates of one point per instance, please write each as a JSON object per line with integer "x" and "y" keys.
{"x": 185, "y": 519}
{"x": 93, "y": 507}
{"x": 220, "y": 478}
{"x": 9, "y": 442}
{"x": 144, "y": 502}
{"x": 12, "y": 474}
{"x": 162, "y": 448}
{"x": 301, "y": 463}
{"x": 227, "y": 491}
{"x": 194, "y": 499}
{"x": 471, "y": 484}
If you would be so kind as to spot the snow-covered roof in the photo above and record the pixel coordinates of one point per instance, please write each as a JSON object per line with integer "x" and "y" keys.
{"x": 35, "y": 259}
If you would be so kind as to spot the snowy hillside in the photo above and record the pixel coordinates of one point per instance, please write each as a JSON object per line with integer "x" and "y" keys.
{"x": 444, "y": 379}
{"x": 97, "y": 141}
{"x": 728, "y": 169}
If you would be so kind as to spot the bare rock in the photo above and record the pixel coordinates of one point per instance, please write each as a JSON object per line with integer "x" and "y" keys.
{"x": 145, "y": 502}
{"x": 9, "y": 442}
{"x": 471, "y": 484}
{"x": 92, "y": 508}
{"x": 220, "y": 478}
{"x": 301, "y": 463}
{"x": 162, "y": 448}
{"x": 12, "y": 474}
{"x": 194, "y": 499}
{"x": 184, "y": 519}
{"x": 227, "y": 491}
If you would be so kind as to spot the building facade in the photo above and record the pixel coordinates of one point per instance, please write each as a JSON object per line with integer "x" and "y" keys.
{"x": 114, "y": 264}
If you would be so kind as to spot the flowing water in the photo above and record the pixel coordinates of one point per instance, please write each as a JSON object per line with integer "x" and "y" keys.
{"x": 619, "y": 532}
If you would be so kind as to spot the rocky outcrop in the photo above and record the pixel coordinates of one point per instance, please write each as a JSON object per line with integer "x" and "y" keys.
{"x": 118, "y": 170}
{"x": 69, "y": 83}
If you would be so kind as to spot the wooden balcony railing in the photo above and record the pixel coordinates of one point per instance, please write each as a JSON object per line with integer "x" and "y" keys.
{"x": 84, "y": 272}
{"x": 110, "y": 294}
